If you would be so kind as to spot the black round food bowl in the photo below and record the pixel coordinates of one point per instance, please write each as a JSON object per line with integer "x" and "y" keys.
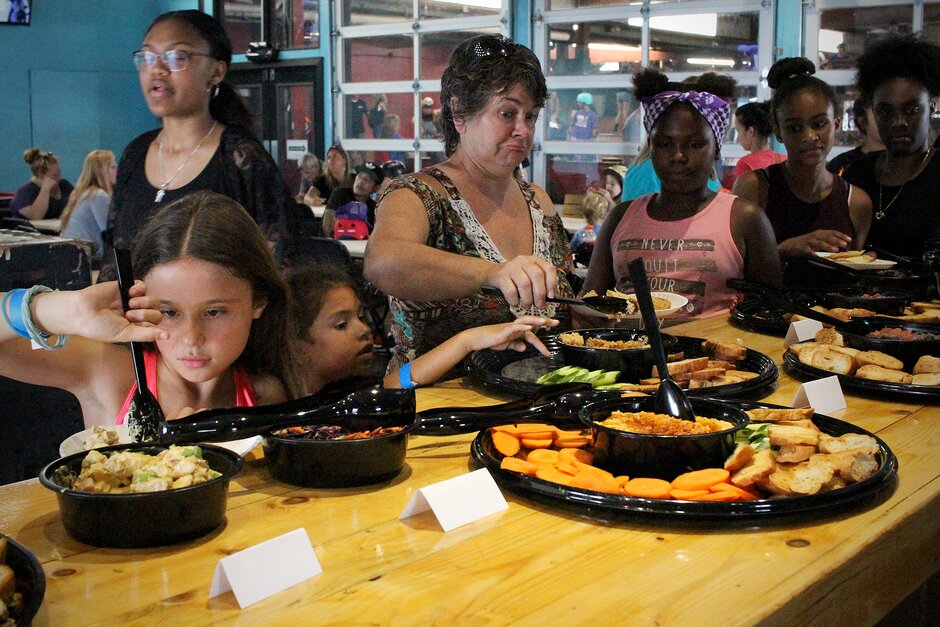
{"x": 907, "y": 350}
{"x": 660, "y": 456}
{"x": 881, "y": 301}
{"x": 634, "y": 363}
{"x": 347, "y": 463}
{"x": 30, "y": 580}
{"x": 144, "y": 519}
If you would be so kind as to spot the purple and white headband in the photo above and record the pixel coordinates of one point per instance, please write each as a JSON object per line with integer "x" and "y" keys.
{"x": 716, "y": 111}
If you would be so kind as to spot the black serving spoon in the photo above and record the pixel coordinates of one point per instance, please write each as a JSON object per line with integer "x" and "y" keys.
{"x": 670, "y": 399}
{"x": 145, "y": 416}
{"x": 604, "y": 304}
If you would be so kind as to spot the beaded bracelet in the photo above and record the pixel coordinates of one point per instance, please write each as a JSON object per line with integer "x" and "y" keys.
{"x": 14, "y": 318}
{"x": 38, "y": 337}
{"x": 404, "y": 377}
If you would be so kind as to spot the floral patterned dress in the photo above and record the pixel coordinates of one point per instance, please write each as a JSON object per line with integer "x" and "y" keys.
{"x": 419, "y": 326}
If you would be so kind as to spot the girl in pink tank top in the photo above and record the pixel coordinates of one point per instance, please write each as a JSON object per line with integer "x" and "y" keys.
{"x": 691, "y": 239}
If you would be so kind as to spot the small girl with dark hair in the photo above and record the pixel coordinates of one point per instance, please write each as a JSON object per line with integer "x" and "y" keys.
{"x": 754, "y": 125}
{"x": 211, "y": 302}
{"x": 334, "y": 339}
{"x": 810, "y": 208}
{"x": 902, "y": 77}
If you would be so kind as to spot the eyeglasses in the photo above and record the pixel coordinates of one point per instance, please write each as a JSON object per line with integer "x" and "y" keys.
{"x": 174, "y": 60}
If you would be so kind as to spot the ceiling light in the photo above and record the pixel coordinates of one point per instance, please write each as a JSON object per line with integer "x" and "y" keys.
{"x": 616, "y": 47}
{"x": 701, "y": 24}
{"x": 710, "y": 62}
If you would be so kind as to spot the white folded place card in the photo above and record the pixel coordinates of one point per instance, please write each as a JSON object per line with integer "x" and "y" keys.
{"x": 259, "y": 571}
{"x": 458, "y": 501}
{"x": 823, "y": 395}
{"x": 802, "y": 330}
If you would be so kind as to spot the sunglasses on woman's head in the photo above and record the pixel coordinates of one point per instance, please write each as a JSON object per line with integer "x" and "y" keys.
{"x": 496, "y": 46}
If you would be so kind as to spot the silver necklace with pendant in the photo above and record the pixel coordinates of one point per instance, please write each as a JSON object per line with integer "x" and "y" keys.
{"x": 166, "y": 183}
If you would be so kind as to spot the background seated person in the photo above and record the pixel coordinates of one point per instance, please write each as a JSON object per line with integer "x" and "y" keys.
{"x": 310, "y": 170}
{"x": 368, "y": 178}
{"x": 46, "y": 193}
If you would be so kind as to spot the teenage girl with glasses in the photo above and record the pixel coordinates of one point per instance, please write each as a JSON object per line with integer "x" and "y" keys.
{"x": 206, "y": 140}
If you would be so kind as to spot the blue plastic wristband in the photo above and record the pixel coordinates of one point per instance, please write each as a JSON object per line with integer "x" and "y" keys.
{"x": 15, "y": 316}
{"x": 404, "y": 377}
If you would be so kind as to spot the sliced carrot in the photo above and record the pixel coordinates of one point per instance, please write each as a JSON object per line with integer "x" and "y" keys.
{"x": 685, "y": 495}
{"x": 596, "y": 482}
{"x": 723, "y": 496}
{"x": 505, "y": 429}
{"x": 548, "y": 473}
{"x": 582, "y": 467}
{"x": 576, "y": 454}
{"x": 700, "y": 479}
{"x": 574, "y": 433}
{"x": 647, "y": 488}
{"x": 536, "y": 431}
{"x": 536, "y": 443}
{"x": 542, "y": 455}
{"x": 622, "y": 480}
{"x": 518, "y": 465}
{"x": 746, "y": 495}
{"x": 505, "y": 443}
{"x": 566, "y": 467}
{"x": 572, "y": 442}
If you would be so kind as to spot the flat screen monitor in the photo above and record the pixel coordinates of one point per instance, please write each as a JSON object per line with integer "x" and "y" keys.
{"x": 15, "y": 12}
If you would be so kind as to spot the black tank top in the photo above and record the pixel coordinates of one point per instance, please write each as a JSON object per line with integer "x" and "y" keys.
{"x": 791, "y": 217}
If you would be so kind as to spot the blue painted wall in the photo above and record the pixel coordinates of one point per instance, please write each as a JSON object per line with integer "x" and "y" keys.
{"x": 68, "y": 82}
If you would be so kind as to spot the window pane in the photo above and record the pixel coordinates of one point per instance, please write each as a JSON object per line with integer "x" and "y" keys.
{"x": 358, "y": 12}
{"x": 594, "y": 116}
{"x": 296, "y": 24}
{"x": 703, "y": 42}
{"x": 382, "y": 58}
{"x": 430, "y": 125}
{"x": 570, "y": 175}
{"x": 242, "y": 21}
{"x": 593, "y": 48}
{"x": 295, "y": 104}
{"x": 845, "y": 33}
{"x": 444, "y": 9}
{"x": 436, "y": 49}
{"x": 251, "y": 94}
{"x": 560, "y": 5}
{"x": 391, "y": 116}
{"x": 932, "y": 23}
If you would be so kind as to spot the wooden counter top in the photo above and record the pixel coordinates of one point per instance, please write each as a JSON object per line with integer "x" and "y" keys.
{"x": 532, "y": 564}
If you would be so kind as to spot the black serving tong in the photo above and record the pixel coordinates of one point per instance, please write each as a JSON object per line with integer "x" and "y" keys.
{"x": 145, "y": 416}
{"x": 604, "y": 304}
{"x": 670, "y": 399}
{"x": 340, "y": 405}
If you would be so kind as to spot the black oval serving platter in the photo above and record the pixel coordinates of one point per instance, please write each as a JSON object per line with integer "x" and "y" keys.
{"x": 866, "y": 387}
{"x": 515, "y": 373}
{"x": 601, "y": 506}
{"x": 759, "y": 317}
{"x": 30, "y": 579}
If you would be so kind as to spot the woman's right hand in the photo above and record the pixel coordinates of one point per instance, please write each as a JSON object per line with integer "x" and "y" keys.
{"x": 96, "y": 313}
{"x": 524, "y": 280}
{"x": 821, "y": 240}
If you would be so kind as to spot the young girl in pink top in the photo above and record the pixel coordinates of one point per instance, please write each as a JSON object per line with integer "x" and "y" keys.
{"x": 691, "y": 239}
{"x": 212, "y": 302}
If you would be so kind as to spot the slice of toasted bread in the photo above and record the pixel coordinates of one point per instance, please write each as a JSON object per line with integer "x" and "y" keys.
{"x": 760, "y": 466}
{"x": 805, "y": 477}
{"x": 829, "y": 335}
{"x": 685, "y": 365}
{"x": 791, "y": 435}
{"x": 829, "y": 360}
{"x": 877, "y": 373}
{"x": 767, "y": 414}
{"x": 928, "y": 378}
{"x": 877, "y": 358}
{"x": 741, "y": 457}
{"x": 927, "y": 364}
{"x": 847, "y": 442}
{"x": 725, "y": 350}
{"x": 798, "y": 453}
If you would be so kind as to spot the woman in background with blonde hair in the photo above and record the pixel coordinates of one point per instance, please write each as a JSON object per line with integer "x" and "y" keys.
{"x": 86, "y": 215}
